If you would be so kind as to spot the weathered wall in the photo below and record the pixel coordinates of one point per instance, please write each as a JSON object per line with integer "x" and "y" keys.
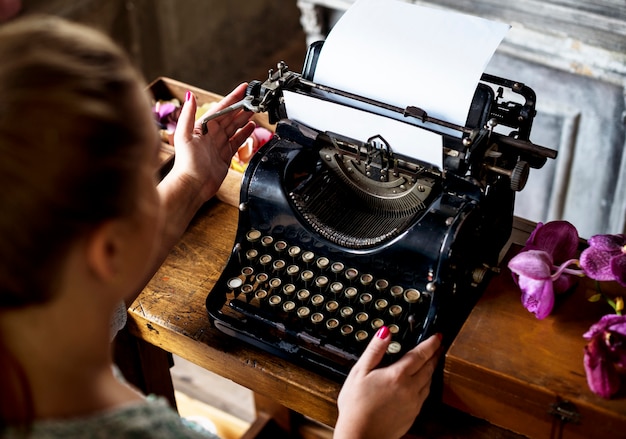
{"x": 208, "y": 43}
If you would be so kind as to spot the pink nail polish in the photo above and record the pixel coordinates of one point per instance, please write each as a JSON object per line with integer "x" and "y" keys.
{"x": 187, "y": 96}
{"x": 383, "y": 332}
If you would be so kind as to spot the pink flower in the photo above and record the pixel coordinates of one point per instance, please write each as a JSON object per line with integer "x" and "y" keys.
{"x": 605, "y": 354}
{"x": 605, "y": 258}
{"x": 534, "y": 268}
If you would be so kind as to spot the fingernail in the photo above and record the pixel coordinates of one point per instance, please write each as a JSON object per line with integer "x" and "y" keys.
{"x": 439, "y": 336}
{"x": 187, "y": 96}
{"x": 383, "y": 332}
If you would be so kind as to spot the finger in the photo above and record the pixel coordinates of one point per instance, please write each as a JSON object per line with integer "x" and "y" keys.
{"x": 186, "y": 120}
{"x": 375, "y": 350}
{"x": 236, "y": 95}
{"x": 417, "y": 357}
{"x": 241, "y": 135}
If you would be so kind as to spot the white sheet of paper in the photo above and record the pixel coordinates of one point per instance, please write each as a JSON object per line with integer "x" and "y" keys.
{"x": 407, "y": 55}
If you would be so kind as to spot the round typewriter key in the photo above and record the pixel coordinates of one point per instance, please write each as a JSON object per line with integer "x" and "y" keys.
{"x": 289, "y": 289}
{"x": 365, "y": 299}
{"x": 247, "y": 271}
{"x": 267, "y": 241}
{"x": 394, "y": 348}
{"x": 246, "y": 290}
{"x": 308, "y": 257}
{"x": 361, "y": 317}
{"x": 293, "y": 270}
{"x": 280, "y": 246}
{"x": 332, "y": 306}
{"x": 337, "y": 267}
{"x": 395, "y": 311}
{"x": 317, "y": 300}
{"x": 253, "y": 235}
{"x": 303, "y": 295}
{"x": 294, "y": 251}
{"x": 262, "y": 278}
{"x": 381, "y": 304}
{"x": 346, "y": 312}
{"x": 278, "y": 265}
{"x": 260, "y": 295}
{"x": 265, "y": 259}
{"x": 317, "y": 318}
{"x": 289, "y": 306}
{"x": 332, "y": 324}
{"x": 394, "y": 329}
{"x": 377, "y": 323}
{"x": 275, "y": 300}
{"x": 411, "y": 295}
{"x": 306, "y": 276}
{"x": 350, "y": 293}
{"x": 234, "y": 283}
{"x": 322, "y": 263}
{"x": 303, "y": 312}
{"x": 366, "y": 279}
{"x": 336, "y": 288}
{"x": 252, "y": 254}
{"x": 396, "y": 291}
{"x": 361, "y": 335}
{"x": 347, "y": 330}
{"x": 321, "y": 282}
{"x": 352, "y": 274}
{"x": 275, "y": 283}
{"x": 381, "y": 285}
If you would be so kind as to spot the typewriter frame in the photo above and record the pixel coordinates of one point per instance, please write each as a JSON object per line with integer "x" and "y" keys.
{"x": 453, "y": 243}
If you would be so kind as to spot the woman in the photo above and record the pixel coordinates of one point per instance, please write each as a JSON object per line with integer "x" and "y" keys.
{"x": 84, "y": 226}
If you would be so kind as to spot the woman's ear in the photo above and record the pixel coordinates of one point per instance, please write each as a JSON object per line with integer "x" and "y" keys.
{"x": 104, "y": 250}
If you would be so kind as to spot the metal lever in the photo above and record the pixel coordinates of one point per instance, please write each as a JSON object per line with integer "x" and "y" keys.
{"x": 245, "y": 103}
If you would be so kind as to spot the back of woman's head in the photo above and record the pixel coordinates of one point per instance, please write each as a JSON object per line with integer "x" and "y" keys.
{"x": 73, "y": 118}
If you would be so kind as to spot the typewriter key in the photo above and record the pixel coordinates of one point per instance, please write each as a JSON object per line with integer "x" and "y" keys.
{"x": 280, "y": 246}
{"x": 337, "y": 268}
{"x": 366, "y": 279}
{"x": 394, "y": 348}
{"x": 395, "y": 311}
{"x": 396, "y": 291}
{"x": 411, "y": 295}
{"x": 289, "y": 306}
{"x": 332, "y": 324}
{"x": 361, "y": 317}
{"x": 303, "y": 295}
{"x": 331, "y": 306}
{"x": 317, "y": 300}
{"x": 306, "y": 276}
{"x": 246, "y": 290}
{"x": 346, "y": 312}
{"x": 289, "y": 289}
{"x": 275, "y": 283}
{"x": 234, "y": 283}
{"x": 350, "y": 293}
{"x": 336, "y": 288}
{"x": 308, "y": 257}
{"x": 393, "y": 329}
{"x": 377, "y": 323}
{"x": 260, "y": 296}
{"x": 251, "y": 255}
{"x": 267, "y": 241}
{"x": 382, "y": 285}
{"x": 247, "y": 272}
{"x": 265, "y": 260}
{"x": 303, "y": 312}
{"x": 278, "y": 265}
{"x": 275, "y": 300}
{"x": 253, "y": 235}
{"x": 347, "y": 330}
{"x": 365, "y": 299}
{"x": 381, "y": 304}
{"x": 352, "y": 274}
{"x": 294, "y": 251}
{"x": 261, "y": 278}
{"x": 293, "y": 270}
{"x": 321, "y": 282}
{"x": 361, "y": 335}
{"x": 317, "y": 318}
{"x": 322, "y": 263}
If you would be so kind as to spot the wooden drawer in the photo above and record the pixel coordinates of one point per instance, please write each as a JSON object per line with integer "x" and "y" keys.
{"x": 523, "y": 374}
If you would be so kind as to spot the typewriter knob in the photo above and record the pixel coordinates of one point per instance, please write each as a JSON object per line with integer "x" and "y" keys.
{"x": 519, "y": 175}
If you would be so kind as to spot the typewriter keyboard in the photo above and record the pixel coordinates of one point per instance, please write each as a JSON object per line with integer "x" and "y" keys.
{"x": 328, "y": 307}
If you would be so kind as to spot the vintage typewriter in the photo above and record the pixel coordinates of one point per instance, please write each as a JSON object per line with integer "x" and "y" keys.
{"x": 337, "y": 237}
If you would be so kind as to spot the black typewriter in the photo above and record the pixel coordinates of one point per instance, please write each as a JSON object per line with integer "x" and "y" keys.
{"x": 337, "y": 237}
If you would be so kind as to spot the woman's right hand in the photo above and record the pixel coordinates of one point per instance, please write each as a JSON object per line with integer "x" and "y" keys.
{"x": 384, "y": 402}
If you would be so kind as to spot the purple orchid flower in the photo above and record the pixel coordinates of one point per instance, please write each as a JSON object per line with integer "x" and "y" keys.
{"x": 605, "y": 258}
{"x": 166, "y": 113}
{"x": 605, "y": 354}
{"x": 535, "y": 268}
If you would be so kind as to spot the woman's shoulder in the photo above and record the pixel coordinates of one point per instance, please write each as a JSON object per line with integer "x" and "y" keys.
{"x": 152, "y": 418}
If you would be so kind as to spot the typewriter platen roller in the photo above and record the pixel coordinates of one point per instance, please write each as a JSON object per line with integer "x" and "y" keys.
{"x": 337, "y": 237}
